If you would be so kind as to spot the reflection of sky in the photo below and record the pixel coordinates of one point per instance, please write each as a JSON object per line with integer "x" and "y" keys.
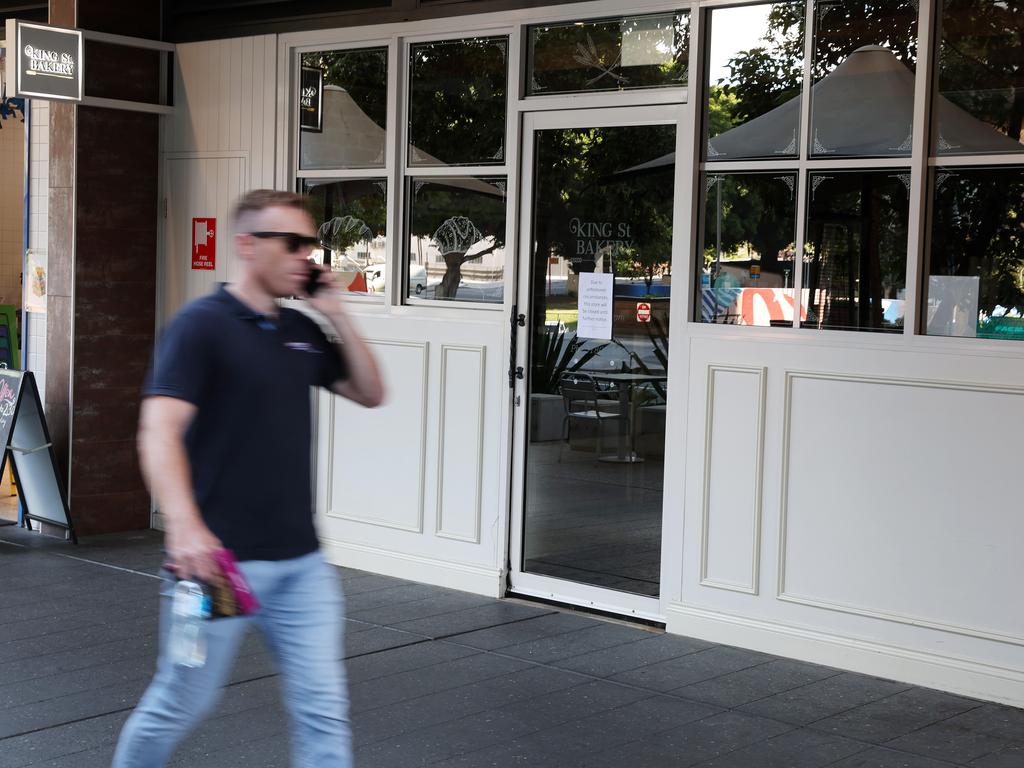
{"x": 734, "y": 30}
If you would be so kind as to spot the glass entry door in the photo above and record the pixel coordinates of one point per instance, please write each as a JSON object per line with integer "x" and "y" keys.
{"x": 596, "y": 281}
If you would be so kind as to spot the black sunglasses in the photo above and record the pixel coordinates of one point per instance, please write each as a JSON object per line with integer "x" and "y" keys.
{"x": 293, "y": 240}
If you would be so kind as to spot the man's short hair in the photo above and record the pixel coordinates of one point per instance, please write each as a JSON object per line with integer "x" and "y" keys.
{"x": 258, "y": 200}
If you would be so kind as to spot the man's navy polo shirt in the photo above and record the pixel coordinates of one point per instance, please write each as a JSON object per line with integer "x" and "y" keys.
{"x": 250, "y": 444}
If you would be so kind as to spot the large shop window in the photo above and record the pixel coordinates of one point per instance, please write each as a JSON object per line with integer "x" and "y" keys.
{"x": 865, "y": 54}
{"x": 457, "y": 238}
{"x": 343, "y": 135}
{"x": 975, "y": 263}
{"x": 852, "y": 171}
{"x": 456, "y": 225}
{"x": 749, "y": 231}
{"x": 616, "y": 54}
{"x": 343, "y": 109}
{"x": 855, "y": 260}
{"x": 351, "y": 218}
{"x": 753, "y": 84}
{"x": 457, "y": 102}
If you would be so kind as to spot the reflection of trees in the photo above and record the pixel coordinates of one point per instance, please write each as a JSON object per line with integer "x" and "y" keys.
{"x": 756, "y": 210}
{"x": 981, "y": 64}
{"x": 576, "y": 179}
{"x": 454, "y": 239}
{"x": 570, "y": 57}
{"x": 363, "y": 73}
{"x": 362, "y": 201}
{"x": 457, "y": 100}
{"x": 857, "y": 236}
{"x": 764, "y": 77}
{"x": 456, "y": 219}
{"x": 978, "y": 229}
{"x": 977, "y": 217}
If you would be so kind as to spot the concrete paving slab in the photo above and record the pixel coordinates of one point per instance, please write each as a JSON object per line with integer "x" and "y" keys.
{"x": 799, "y": 748}
{"x": 754, "y": 683}
{"x": 879, "y": 757}
{"x": 816, "y": 701}
{"x": 447, "y": 679}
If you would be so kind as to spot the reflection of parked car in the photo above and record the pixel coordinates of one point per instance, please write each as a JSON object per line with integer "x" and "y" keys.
{"x": 376, "y": 276}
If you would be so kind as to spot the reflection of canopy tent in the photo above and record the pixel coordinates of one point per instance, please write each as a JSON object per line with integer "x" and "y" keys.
{"x": 351, "y": 139}
{"x": 864, "y": 107}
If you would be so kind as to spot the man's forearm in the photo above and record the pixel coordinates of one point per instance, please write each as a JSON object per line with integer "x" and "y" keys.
{"x": 168, "y": 476}
{"x": 364, "y": 381}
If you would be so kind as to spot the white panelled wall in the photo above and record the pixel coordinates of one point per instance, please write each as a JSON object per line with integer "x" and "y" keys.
{"x": 219, "y": 142}
{"x": 842, "y": 498}
{"x": 851, "y": 504}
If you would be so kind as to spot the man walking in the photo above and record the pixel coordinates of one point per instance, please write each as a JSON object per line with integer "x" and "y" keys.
{"x": 225, "y": 446}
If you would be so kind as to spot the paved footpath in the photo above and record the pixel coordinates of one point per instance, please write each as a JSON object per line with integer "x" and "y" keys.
{"x": 444, "y": 678}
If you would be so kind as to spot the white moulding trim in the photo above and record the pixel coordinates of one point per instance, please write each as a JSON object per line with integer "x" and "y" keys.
{"x": 949, "y": 673}
{"x": 467, "y": 577}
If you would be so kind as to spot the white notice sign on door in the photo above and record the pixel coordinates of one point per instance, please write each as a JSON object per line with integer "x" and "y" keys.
{"x": 595, "y": 305}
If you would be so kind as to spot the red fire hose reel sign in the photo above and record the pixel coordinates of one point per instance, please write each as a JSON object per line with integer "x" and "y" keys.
{"x": 643, "y": 312}
{"x": 204, "y": 243}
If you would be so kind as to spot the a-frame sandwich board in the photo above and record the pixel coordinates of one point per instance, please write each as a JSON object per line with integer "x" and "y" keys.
{"x": 25, "y": 438}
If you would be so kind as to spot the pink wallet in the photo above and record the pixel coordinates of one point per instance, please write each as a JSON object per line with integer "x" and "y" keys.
{"x": 244, "y": 597}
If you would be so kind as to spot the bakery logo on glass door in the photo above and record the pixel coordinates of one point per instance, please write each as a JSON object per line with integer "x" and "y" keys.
{"x": 204, "y": 243}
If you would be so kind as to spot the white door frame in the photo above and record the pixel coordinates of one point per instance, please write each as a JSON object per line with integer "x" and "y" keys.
{"x": 531, "y": 584}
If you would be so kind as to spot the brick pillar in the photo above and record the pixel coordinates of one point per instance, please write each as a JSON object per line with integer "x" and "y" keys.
{"x": 103, "y": 243}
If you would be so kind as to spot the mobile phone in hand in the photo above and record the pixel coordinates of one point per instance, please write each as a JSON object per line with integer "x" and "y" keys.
{"x": 314, "y": 281}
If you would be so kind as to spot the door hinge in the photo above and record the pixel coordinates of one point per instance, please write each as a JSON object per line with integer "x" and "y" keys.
{"x": 515, "y": 371}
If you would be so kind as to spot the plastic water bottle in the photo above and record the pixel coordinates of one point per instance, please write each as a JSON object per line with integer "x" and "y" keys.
{"x": 190, "y": 608}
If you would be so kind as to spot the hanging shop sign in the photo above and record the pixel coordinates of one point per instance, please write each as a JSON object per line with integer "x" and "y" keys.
{"x": 204, "y": 243}
{"x": 311, "y": 99}
{"x": 45, "y": 62}
{"x": 25, "y": 440}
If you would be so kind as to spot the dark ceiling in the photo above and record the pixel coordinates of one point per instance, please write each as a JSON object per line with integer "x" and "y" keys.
{"x": 186, "y": 20}
{"x": 24, "y": 10}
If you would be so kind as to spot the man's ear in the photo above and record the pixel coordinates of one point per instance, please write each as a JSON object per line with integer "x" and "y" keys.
{"x": 243, "y": 246}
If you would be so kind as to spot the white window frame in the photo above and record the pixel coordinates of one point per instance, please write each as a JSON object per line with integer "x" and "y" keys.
{"x": 398, "y": 37}
{"x": 919, "y": 163}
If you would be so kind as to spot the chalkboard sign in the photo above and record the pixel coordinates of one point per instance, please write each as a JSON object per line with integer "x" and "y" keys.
{"x": 10, "y": 388}
{"x": 26, "y": 441}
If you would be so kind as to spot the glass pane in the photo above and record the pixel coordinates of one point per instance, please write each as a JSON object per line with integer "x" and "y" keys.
{"x": 351, "y": 217}
{"x": 600, "y": 297}
{"x": 865, "y": 53}
{"x": 755, "y": 69}
{"x": 457, "y": 102}
{"x": 980, "y": 105}
{"x": 609, "y": 55}
{"x": 343, "y": 109}
{"x": 855, "y": 261}
{"x": 749, "y": 228}
{"x": 457, "y": 239}
{"x": 976, "y": 266}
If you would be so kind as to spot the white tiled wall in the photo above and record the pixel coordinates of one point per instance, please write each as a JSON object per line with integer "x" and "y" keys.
{"x": 39, "y": 184}
{"x": 40, "y": 175}
{"x": 37, "y": 350}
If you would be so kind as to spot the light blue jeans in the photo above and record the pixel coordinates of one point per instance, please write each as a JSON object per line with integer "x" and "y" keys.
{"x": 300, "y": 617}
